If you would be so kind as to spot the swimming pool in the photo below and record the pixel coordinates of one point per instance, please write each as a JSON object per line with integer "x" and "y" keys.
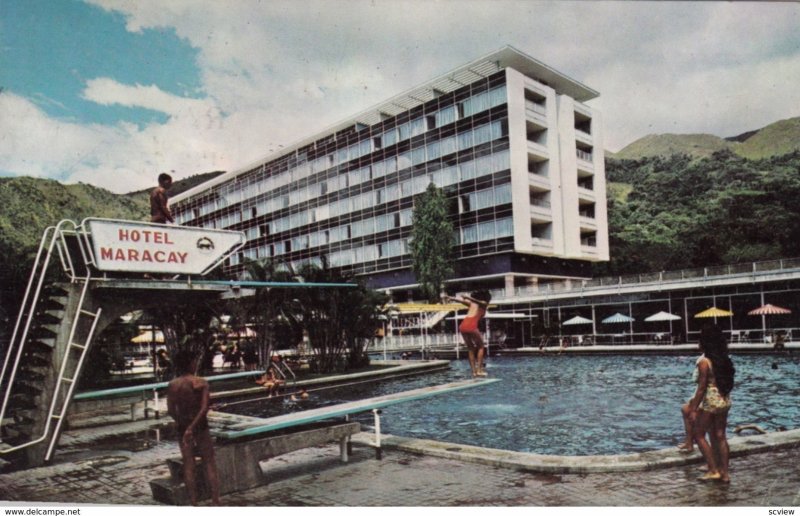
{"x": 570, "y": 405}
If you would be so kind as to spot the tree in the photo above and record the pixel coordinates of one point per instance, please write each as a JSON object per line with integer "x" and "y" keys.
{"x": 432, "y": 245}
{"x": 264, "y": 310}
{"x": 341, "y": 322}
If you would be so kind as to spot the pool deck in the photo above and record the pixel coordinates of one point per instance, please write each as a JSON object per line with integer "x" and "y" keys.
{"x": 111, "y": 460}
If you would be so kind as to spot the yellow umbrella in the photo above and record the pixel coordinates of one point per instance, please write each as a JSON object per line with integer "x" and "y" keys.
{"x": 713, "y": 312}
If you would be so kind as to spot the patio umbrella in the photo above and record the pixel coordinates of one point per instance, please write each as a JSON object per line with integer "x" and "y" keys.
{"x": 662, "y": 316}
{"x": 769, "y": 310}
{"x": 618, "y": 318}
{"x": 713, "y": 312}
{"x": 149, "y": 336}
{"x": 576, "y": 320}
{"x": 152, "y": 337}
{"x": 765, "y": 310}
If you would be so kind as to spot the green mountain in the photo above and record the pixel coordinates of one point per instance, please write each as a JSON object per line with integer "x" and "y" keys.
{"x": 696, "y": 145}
{"x": 775, "y": 139}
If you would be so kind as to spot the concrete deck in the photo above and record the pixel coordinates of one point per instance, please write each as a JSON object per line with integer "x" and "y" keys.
{"x": 95, "y": 470}
{"x": 108, "y": 459}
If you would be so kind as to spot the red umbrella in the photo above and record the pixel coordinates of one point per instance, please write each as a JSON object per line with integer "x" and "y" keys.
{"x": 769, "y": 310}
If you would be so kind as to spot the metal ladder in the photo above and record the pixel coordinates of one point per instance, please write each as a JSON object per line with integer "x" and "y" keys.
{"x": 53, "y": 239}
{"x": 284, "y": 371}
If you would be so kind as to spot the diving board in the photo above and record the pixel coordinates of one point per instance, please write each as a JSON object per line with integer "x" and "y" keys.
{"x": 250, "y": 429}
{"x": 244, "y": 441}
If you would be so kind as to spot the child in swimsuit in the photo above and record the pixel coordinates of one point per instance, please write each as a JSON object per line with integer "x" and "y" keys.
{"x": 477, "y": 303}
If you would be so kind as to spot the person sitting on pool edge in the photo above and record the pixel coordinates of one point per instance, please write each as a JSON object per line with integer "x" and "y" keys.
{"x": 477, "y": 303}
{"x": 270, "y": 381}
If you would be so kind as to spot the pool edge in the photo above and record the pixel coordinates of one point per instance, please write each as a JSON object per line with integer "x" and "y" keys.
{"x": 522, "y": 461}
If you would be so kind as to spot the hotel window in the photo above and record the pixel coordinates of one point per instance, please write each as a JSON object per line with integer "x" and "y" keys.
{"x": 404, "y": 132}
{"x": 464, "y": 203}
{"x": 390, "y": 137}
{"x": 446, "y": 116}
{"x": 486, "y": 230}
{"x": 417, "y": 127}
{"x": 504, "y": 227}
{"x": 469, "y": 234}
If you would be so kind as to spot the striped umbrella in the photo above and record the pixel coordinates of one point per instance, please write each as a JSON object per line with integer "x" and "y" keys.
{"x": 617, "y": 318}
{"x": 769, "y": 310}
{"x": 576, "y": 320}
{"x": 713, "y": 312}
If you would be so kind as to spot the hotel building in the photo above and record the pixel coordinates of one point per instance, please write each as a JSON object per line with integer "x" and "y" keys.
{"x": 509, "y": 139}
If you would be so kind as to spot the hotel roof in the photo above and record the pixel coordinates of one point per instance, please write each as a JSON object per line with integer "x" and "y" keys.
{"x": 506, "y": 57}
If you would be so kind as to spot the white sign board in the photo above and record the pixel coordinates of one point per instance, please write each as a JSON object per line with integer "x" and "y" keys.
{"x": 122, "y": 245}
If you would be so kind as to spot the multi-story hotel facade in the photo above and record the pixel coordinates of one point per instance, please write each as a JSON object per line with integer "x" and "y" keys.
{"x": 509, "y": 139}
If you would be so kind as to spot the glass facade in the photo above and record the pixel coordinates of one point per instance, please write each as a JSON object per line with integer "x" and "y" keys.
{"x": 348, "y": 196}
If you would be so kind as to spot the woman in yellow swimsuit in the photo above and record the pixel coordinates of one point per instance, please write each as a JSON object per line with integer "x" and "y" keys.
{"x": 711, "y": 402}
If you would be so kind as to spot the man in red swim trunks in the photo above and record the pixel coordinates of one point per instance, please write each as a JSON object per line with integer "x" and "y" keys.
{"x": 477, "y": 302}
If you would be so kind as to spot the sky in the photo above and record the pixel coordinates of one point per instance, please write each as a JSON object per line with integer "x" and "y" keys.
{"x": 113, "y": 92}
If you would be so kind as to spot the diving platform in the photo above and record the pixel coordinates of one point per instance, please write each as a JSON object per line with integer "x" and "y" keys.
{"x": 243, "y": 441}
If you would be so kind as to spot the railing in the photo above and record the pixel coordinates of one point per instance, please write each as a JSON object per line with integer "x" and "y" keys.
{"x": 536, "y": 107}
{"x": 413, "y": 342}
{"x": 753, "y": 269}
{"x": 586, "y": 156}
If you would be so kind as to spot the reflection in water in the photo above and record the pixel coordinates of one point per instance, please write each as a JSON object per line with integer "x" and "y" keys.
{"x": 569, "y": 405}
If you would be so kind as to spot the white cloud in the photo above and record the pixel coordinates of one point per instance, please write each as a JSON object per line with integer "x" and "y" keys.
{"x": 274, "y": 72}
{"x": 106, "y": 91}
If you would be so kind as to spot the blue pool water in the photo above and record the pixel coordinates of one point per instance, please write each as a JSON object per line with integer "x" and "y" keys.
{"x": 569, "y": 405}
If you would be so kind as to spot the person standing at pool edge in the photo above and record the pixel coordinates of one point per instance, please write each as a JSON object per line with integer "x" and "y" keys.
{"x": 477, "y": 304}
{"x": 187, "y": 403}
{"x": 159, "y": 209}
{"x": 710, "y": 405}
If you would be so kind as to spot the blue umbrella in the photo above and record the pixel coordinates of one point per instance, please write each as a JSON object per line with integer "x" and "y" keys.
{"x": 618, "y": 318}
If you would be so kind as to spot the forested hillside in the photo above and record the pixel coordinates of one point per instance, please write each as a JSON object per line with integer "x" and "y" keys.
{"x": 673, "y": 212}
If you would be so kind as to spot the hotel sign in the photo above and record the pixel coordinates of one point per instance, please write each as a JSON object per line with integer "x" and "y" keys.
{"x": 121, "y": 245}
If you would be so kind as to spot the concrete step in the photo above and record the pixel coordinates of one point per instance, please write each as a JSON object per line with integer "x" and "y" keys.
{"x": 29, "y": 376}
{"x": 51, "y": 328}
{"x": 43, "y": 343}
{"x": 36, "y": 360}
{"x": 166, "y": 490}
{"x": 22, "y": 402}
{"x": 55, "y": 314}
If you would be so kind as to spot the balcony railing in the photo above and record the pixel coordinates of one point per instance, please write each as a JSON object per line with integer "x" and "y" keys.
{"x": 536, "y": 107}
{"x": 586, "y": 156}
{"x": 753, "y": 269}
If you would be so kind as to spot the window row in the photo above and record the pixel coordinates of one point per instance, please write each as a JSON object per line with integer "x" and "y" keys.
{"x": 434, "y": 150}
{"x": 482, "y": 166}
{"x": 487, "y": 230}
{"x": 340, "y": 258}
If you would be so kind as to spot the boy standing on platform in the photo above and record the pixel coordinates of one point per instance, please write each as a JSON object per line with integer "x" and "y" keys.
{"x": 187, "y": 403}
